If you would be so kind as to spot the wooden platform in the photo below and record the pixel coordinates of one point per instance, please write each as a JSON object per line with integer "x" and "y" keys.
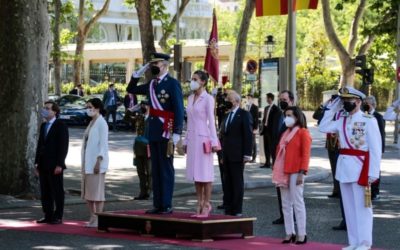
{"x": 177, "y": 224}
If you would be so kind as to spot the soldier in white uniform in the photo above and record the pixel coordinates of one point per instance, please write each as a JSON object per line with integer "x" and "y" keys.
{"x": 358, "y": 164}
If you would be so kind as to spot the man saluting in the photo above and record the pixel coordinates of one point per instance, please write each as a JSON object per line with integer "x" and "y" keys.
{"x": 165, "y": 125}
{"x": 358, "y": 164}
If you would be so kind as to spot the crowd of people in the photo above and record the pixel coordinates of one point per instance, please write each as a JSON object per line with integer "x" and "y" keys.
{"x": 223, "y": 126}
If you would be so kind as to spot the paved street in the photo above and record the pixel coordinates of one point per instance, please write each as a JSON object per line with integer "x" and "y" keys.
{"x": 260, "y": 199}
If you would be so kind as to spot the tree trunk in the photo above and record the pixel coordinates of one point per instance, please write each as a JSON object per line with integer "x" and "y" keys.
{"x": 241, "y": 44}
{"x": 146, "y": 29}
{"x": 24, "y": 48}
{"x": 167, "y": 33}
{"x": 56, "y": 47}
{"x": 83, "y": 31}
{"x": 145, "y": 25}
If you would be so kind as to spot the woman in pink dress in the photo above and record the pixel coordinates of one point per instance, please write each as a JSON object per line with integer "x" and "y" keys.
{"x": 201, "y": 135}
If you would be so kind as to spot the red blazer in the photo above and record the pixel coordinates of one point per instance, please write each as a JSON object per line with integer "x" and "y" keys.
{"x": 298, "y": 152}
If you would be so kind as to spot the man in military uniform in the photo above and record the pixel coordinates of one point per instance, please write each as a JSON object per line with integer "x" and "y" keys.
{"x": 358, "y": 163}
{"x": 165, "y": 125}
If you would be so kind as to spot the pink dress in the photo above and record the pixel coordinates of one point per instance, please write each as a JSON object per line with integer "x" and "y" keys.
{"x": 200, "y": 129}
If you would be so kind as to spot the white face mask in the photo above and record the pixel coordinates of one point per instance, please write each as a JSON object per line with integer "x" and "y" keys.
{"x": 289, "y": 121}
{"x": 194, "y": 85}
{"x": 90, "y": 112}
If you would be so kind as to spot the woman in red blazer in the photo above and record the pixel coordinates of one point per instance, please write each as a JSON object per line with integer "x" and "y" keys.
{"x": 291, "y": 164}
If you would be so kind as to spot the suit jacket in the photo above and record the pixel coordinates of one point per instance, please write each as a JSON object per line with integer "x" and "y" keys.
{"x": 75, "y": 91}
{"x": 254, "y": 114}
{"x": 237, "y": 137}
{"x": 52, "y": 150}
{"x": 127, "y": 101}
{"x": 107, "y": 96}
{"x": 96, "y": 145}
{"x": 274, "y": 120}
{"x": 169, "y": 94}
{"x": 381, "y": 125}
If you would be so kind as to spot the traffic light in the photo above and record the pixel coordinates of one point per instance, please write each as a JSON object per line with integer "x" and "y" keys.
{"x": 368, "y": 77}
{"x": 361, "y": 61}
{"x": 366, "y": 74}
{"x": 177, "y": 57}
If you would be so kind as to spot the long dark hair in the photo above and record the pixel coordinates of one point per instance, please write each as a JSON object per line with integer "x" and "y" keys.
{"x": 98, "y": 104}
{"x": 298, "y": 113}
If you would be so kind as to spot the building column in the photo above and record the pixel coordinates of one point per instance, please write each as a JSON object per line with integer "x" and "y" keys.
{"x": 129, "y": 68}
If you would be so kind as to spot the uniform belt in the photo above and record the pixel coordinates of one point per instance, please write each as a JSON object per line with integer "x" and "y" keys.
{"x": 363, "y": 179}
{"x": 167, "y": 115}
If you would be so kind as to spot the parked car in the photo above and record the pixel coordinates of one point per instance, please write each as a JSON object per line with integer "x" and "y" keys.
{"x": 66, "y": 99}
{"x": 75, "y": 113}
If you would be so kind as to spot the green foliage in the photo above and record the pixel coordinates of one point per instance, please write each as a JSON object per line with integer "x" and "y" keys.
{"x": 92, "y": 90}
{"x": 66, "y": 36}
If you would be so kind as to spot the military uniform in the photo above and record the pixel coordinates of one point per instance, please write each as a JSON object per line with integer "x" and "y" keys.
{"x": 358, "y": 163}
{"x": 166, "y": 104}
{"x": 141, "y": 150}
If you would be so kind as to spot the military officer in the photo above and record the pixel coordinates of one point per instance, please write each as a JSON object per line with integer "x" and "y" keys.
{"x": 165, "y": 125}
{"x": 358, "y": 163}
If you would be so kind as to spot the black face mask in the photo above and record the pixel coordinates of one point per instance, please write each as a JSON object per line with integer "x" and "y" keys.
{"x": 283, "y": 105}
{"x": 228, "y": 105}
{"x": 366, "y": 107}
{"x": 349, "y": 106}
{"x": 143, "y": 110}
{"x": 154, "y": 70}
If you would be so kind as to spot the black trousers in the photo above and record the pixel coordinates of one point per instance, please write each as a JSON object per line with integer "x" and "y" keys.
{"x": 222, "y": 176}
{"x": 267, "y": 148}
{"x": 52, "y": 194}
{"x": 254, "y": 150}
{"x": 375, "y": 186}
{"x": 112, "y": 110}
{"x": 233, "y": 174}
{"x": 163, "y": 174}
{"x": 333, "y": 157}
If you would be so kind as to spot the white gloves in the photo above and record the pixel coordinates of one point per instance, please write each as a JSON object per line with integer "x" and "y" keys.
{"x": 141, "y": 71}
{"x": 371, "y": 179}
{"x": 175, "y": 138}
{"x": 334, "y": 105}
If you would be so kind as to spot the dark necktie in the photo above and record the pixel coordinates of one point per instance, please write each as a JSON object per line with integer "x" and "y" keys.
{"x": 228, "y": 121}
{"x": 46, "y": 129}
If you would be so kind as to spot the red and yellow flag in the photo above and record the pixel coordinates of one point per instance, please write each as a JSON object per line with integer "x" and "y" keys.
{"x": 280, "y": 7}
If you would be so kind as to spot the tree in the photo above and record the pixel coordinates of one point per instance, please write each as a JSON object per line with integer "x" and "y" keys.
{"x": 24, "y": 48}
{"x": 56, "y": 47}
{"x": 347, "y": 55}
{"x": 241, "y": 45}
{"x": 168, "y": 27}
{"x": 83, "y": 31}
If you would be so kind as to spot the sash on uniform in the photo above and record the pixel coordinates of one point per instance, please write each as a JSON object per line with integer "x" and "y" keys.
{"x": 363, "y": 179}
{"x": 158, "y": 111}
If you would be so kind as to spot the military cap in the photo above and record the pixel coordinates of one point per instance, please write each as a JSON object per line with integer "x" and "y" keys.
{"x": 350, "y": 92}
{"x": 156, "y": 57}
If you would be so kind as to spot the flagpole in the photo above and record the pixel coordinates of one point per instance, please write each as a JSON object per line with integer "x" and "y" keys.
{"x": 291, "y": 48}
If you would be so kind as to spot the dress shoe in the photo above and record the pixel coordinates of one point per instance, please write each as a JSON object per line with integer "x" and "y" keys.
{"x": 55, "y": 222}
{"x": 141, "y": 197}
{"x": 362, "y": 247}
{"x": 153, "y": 211}
{"x": 221, "y": 206}
{"x": 167, "y": 210}
{"x": 205, "y": 212}
{"x": 291, "y": 239}
{"x": 278, "y": 221}
{"x": 302, "y": 242}
{"x": 349, "y": 248}
{"x": 341, "y": 226}
{"x": 42, "y": 221}
{"x": 237, "y": 214}
{"x": 333, "y": 195}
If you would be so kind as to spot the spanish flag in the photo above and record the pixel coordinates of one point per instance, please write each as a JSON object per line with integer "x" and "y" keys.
{"x": 280, "y": 7}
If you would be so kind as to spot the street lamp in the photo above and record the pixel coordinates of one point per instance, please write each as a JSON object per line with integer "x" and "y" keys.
{"x": 270, "y": 45}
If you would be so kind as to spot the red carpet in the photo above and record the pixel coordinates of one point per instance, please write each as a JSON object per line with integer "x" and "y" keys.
{"x": 76, "y": 228}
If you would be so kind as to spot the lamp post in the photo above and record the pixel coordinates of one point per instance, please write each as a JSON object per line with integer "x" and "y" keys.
{"x": 269, "y": 45}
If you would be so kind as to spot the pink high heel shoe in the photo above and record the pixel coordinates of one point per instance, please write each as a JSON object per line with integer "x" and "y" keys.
{"x": 198, "y": 212}
{"x": 206, "y": 212}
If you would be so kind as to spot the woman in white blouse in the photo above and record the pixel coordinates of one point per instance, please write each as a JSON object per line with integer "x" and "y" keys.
{"x": 94, "y": 160}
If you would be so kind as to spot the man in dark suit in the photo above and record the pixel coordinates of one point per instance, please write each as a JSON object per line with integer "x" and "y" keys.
{"x": 253, "y": 109}
{"x": 165, "y": 125}
{"x": 111, "y": 101}
{"x": 236, "y": 134}
{"x": 269, "y": 127}
{"x": 369, "y": 106}
{"x": 51, "y": 151}
{"x": 78, "y": 90}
